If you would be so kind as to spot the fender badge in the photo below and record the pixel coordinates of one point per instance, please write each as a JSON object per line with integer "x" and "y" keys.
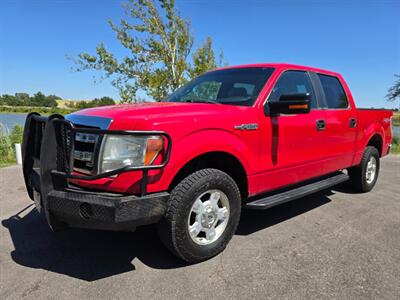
{"x": 253, "y": 126}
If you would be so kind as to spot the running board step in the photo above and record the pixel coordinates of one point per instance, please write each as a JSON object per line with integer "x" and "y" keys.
{"x": 296, "y": 193}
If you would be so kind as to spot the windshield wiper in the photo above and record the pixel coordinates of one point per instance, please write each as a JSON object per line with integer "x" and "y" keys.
{"x": 202, "y": 101}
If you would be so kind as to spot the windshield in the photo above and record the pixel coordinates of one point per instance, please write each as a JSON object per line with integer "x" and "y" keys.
{"x": 239, "y": 86}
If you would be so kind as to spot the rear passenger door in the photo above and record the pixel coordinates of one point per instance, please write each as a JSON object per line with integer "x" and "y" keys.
{"x": 340, "y": 123}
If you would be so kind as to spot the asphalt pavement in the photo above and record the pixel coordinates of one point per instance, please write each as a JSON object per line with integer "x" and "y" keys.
{"x": 332, "y": 245}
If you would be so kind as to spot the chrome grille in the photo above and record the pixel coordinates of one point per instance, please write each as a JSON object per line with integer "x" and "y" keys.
{"x": 86, "y": 146}
{"x": 85, "y": 152}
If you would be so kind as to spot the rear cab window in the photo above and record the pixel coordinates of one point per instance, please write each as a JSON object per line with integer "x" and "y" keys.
{"x": 335, "y": 95}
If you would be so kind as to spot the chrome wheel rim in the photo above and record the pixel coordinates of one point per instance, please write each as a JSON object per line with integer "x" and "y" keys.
{"x": 370, "y": 171}
{"x": 208, "y": 217}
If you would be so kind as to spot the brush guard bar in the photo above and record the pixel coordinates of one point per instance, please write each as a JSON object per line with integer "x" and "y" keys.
{"x": 48, "y": 159}
{"x": 48, "y": 145}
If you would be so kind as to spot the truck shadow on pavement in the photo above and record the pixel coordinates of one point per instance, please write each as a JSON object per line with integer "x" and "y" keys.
{"x": 91, "y": 255}
{"x": 254, "y": 220}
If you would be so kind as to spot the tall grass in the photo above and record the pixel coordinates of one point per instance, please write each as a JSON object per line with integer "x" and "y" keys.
{"x": 396, "y": 145}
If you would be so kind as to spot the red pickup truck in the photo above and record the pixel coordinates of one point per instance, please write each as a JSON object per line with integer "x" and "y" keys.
{"x": 251, "y": 136}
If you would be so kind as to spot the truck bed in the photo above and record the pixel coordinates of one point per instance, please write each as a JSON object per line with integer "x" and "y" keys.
{"x": 373, "y": 120}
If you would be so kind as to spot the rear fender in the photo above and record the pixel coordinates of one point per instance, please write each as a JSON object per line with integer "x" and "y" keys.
{"x": 365, "y": 136}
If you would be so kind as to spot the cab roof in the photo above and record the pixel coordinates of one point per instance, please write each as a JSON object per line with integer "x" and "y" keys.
{"x": 282, "y": 66}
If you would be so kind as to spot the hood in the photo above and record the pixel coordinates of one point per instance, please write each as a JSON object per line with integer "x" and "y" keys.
{"x": 128, "y": 116}
{"x": 127, "y": 110}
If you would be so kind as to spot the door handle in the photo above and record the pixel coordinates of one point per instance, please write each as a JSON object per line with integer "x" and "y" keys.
{"x": 320, "y": 125}
{"x": 352, "y": 123}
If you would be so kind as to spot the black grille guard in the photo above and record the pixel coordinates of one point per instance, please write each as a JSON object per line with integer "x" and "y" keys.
{"x": 47, "y": 153}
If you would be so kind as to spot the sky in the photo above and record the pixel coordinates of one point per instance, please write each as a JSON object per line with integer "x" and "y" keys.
{"x": 359, "y": 39}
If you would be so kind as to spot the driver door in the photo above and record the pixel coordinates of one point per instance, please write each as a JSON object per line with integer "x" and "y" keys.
{"x": 293, "y": 145}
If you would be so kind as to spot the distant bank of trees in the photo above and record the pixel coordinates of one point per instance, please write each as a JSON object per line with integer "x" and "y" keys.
{"x": 23, "y": 99}
{"x": 50, "y": 101}
{"x": 92, "y": 103}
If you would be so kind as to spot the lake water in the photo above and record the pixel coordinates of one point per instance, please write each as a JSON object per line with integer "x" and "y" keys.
{"x": 10, "y": 120}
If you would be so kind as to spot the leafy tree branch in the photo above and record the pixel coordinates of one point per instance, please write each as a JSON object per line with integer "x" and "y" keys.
{"x": 159, "y": 42}
{"x": 394, "y": 91}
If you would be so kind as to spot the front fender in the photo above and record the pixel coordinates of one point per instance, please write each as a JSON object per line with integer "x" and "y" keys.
{"x": 244, "y": 147}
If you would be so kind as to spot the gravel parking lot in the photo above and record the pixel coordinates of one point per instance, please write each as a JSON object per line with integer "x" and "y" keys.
{"x": 335, "y": 244}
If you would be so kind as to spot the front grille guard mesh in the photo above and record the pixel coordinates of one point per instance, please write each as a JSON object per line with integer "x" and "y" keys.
{"x": 56, "y": 132}
{"x": 38, "y": 127}
{"x": 64, "y": 136}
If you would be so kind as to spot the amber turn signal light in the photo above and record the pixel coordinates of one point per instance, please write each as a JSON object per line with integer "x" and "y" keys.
{"x": 298, "y": 106}
{"x": 153, "y": 147}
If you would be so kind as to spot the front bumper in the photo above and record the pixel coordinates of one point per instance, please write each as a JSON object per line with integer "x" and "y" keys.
{"x": 83, "y": 209}
{"x": 48, "y": 166}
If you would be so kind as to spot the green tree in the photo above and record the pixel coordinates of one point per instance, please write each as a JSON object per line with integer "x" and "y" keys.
{"x": 40, "y": 99}
{"x": 204, "y": 59}
{"x": 22, "y": 98}
{"x": 8, "y": 100}
{"x": 83, "y": 105}
{"x": 394, "y": 91}
{"x": 103, "y": 101}
{"x": 160, "y": 42}
{"x": 51, "y": 100}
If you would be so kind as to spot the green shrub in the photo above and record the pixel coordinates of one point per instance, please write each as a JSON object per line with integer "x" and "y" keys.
{"x": 395, "y": 145}
{"x": 16, "y": 135}
{"x": 7, "y": 148}
{"x": 7, "y": 154}
{"x": 396, "y": 119}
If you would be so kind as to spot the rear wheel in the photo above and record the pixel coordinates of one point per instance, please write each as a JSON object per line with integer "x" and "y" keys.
{"x": 202, "y": 215}
{"x": 364, "y": 176}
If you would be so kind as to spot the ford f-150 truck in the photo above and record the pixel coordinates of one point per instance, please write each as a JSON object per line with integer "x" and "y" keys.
{"x": 251, "y": 136}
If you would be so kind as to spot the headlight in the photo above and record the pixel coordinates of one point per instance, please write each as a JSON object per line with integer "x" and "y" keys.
{"x": 120, "y": 151}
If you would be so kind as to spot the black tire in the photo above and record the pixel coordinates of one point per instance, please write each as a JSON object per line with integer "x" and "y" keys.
{"x": 173, "y": 229}
{"x": 358, "y": 178}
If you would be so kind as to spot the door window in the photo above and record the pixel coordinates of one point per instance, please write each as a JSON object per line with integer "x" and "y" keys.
{"x": 293, "y": 82}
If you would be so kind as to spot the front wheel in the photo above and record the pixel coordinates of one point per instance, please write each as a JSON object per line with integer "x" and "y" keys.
{"x": 364, "y": 176}
{"x": 202, "y": 215}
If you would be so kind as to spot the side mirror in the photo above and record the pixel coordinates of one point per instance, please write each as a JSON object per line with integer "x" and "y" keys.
{"x": 289, "y": 104}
